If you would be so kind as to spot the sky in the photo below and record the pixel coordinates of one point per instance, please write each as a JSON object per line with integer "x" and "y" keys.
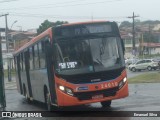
{"x": 29, "y": 14}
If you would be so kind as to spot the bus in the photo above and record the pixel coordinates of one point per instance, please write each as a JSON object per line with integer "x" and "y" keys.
{"x": 73, "y": 64}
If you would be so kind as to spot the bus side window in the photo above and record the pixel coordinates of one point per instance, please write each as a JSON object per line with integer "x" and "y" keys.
{"x": 42, "y": 54}
{"x": 36, "y": 56}
{"x": 31, "y": 58}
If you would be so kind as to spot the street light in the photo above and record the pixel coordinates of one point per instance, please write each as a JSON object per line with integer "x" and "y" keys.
{"x": 8, "y": 57}
{"x": 13, "y": 24}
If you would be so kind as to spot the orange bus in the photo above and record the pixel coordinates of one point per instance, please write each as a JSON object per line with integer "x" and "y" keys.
{"x": 73, "y": 64}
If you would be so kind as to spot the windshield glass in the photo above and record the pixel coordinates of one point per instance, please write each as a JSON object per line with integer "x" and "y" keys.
{"x": 88, "y": 55}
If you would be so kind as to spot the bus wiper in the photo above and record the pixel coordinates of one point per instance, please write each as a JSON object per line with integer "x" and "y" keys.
{"x": 92, "y": 36}
{"x": 100, "y": 62}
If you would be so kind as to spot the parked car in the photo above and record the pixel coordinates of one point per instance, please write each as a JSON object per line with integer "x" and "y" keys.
{"x": 157, "y": 60}
{"x": 131, "y": 61}
{"x": 144, "y": 64}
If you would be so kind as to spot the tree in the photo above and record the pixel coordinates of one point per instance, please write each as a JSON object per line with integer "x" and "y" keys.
{"x": 46, "y": 24}
{"x": 150, "y": 38}
{"x": 125, "y": 24}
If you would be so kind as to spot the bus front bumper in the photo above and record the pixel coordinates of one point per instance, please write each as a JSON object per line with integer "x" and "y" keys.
{"x": 67, "y": 100}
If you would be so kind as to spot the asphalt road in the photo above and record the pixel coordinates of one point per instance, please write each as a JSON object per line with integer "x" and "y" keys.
{"x": 142, "y": 97}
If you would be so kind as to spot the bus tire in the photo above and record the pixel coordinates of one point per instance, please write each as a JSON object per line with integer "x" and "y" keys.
{"x": 106, "y": 103}
{"x": 48, "y": 101}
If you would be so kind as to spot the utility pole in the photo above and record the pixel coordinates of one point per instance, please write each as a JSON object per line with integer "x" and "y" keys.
{"x": 142, "y": 45}
{"x": 6, "y": 31}
{"x": 2, "y": 92}
{"x": 7, "y": 45}
{"x": 149, "y": 47}
{"x": 133, "y": 33}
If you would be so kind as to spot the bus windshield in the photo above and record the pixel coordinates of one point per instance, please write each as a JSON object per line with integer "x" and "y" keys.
{"x": 87, "y": 55}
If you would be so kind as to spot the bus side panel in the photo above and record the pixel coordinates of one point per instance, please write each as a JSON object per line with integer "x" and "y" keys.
{"x": 38, "y": 78}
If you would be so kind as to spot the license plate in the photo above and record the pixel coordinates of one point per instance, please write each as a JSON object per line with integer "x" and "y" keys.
{"x": 97, "y": 96}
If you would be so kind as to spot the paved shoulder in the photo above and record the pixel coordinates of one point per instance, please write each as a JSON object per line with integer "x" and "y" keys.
{"x": 12, "y": 85}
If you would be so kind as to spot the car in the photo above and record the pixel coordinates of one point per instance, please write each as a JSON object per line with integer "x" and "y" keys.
{"x": 143, "y": 65}
{"x": 131, "y": 61}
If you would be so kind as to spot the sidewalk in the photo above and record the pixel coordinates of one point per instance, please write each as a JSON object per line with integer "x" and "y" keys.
{"x": 10, "y": 85}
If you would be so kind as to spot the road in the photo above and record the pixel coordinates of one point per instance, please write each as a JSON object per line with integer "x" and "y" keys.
{"x": 142, "y": 97}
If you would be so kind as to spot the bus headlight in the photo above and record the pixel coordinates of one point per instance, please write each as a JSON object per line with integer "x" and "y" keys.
{"x": 61, "y": 88}
{"x": 121, "y": 83}
{"x": 66, "y": 90}
{"x": 125, "y": 79}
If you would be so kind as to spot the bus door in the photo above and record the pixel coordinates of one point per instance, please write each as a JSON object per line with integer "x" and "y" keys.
{"x": 27, "y": 67}
{"x": 49, "y": 62}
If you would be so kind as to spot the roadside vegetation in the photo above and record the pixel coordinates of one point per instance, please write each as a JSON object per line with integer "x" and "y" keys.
{"x": 146, "y": 78}
{"x": 13, "y": 73}
{"x": 149, "y": 56}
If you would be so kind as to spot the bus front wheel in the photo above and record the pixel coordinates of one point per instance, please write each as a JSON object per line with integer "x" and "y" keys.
{"x": 47, "y": 101}
{"x": 106, "y": 103}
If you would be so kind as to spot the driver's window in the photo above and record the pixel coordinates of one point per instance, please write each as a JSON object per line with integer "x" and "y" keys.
{"x": 140, "y": 62}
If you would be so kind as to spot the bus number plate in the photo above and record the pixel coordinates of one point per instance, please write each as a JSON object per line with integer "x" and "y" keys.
{"x": 97, "y": 96}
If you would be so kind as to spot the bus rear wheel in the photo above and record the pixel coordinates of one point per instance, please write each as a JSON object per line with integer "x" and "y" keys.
{"x": 106, "y": 103}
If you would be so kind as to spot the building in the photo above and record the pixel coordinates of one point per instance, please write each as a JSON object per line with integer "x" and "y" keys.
{"x": 3, "y": 40}
{"x": 16, "y": 39}
{"x": 127, "y": 39}
{"x": 156, "y": 27}
{"x": 19, "y": 38}
{"x": 6, "y": 55}
{"x": 151, "y": 33}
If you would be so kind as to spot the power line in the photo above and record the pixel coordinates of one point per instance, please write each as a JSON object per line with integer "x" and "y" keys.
{"x": 3, "y": 1}
{"x": 47, "y": 5}
{"x": 60, "y": 16}
{"x": 77, "y": 4}
{"x": 60, "y": 3}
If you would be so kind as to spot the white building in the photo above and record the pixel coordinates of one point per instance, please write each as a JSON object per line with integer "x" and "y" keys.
{"x": 7, "y": 57}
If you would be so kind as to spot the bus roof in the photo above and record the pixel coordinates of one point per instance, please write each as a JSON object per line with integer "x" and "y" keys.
{"x": 34, "y": 40}
{"x": 48, "y": 31}
{"x": 88, "y": 22}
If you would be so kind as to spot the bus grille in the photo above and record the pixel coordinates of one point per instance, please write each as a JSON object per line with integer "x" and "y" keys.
{"x": 86, "y": 78}
{"x": 88, "y": 95}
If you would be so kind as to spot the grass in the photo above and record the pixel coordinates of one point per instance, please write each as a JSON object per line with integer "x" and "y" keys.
{"x": 13, "y": 72}
{"x": 146, "y": 78}
{"x": 149, "y": 56}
